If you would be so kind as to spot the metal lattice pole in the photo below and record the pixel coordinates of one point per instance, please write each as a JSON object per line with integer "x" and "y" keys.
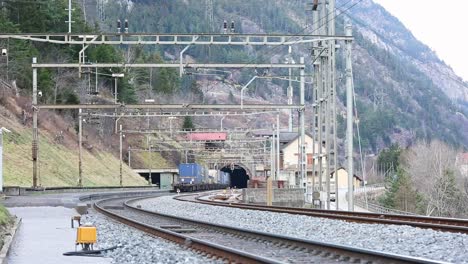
{"x": 290, "y": 91}
{"x": 35, "y": 143}
{"x": 121, "y": 161}
{"x": 349, "y": 117}
{"x": 302, "y": 129}
{"x": 209, "y": 16}
{"x": 277, "y": 146}
{"x": 80, "y": 146}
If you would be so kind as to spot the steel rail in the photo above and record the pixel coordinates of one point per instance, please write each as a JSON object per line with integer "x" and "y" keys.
{"x": 332, "y": 251}
{"x": 230, "y": 254}
{"x": 454, "y": 225}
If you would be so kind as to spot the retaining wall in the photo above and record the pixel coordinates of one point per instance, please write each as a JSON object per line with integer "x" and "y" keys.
{"x": 281, "y": 197}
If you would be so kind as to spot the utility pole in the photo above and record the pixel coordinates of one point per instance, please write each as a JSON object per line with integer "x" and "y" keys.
{"x": 325, "y": 119}
{"x": 324, "y": 106}
{"x": 149, "y": 160}
{"x": 302, "y": 154}
{"x": 209, "y": 16}
{"x": 330, "y": 127}
{"x": 35, "y": 143}
{"x": 129, "y": 157}
{"x": 121, "y": 143}
{"x": 315, "y": 107}
{"x": 349, "y": 117}
{"x": 116, "y": 75}
{"x": 80, "y": 146}
{"x": 273, "y": 153}
{"x": 270, "y": 178}
{"x": 115, "y": 92}
{"x": 277, "y": 146}
{"x": 100, "y": 7}
{"x": 69, "y": 16}
{"x": 221, "y": 127}
{"x": 170, "y": 123}
{"x": 334, "y": 146}
{"x": 290, "y": 91}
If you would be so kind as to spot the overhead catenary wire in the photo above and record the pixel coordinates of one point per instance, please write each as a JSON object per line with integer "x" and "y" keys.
{"x": 359, "y": 144}
{"x": 306, "y": 27}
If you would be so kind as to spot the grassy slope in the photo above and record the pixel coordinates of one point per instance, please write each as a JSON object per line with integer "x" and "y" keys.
{"x": 5, "y": 222}
{"x": 59, "y": 164}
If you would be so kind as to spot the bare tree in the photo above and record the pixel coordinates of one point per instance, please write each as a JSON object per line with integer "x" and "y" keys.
{"x": 432, "y": 168}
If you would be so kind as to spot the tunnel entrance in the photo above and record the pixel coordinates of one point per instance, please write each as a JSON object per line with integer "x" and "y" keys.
{"x": 238, "y": 176}
{"x": 155, "y": 179}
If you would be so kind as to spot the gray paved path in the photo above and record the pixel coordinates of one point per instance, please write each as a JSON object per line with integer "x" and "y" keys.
{"x": 43, "y": 236}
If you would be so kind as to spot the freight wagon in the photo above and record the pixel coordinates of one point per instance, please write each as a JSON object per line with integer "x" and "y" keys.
{"x": 191, "y": 173}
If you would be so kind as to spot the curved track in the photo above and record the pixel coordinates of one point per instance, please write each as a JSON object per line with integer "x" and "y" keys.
{"x": 437, "y": 223}
{"x": 236, "y": 245}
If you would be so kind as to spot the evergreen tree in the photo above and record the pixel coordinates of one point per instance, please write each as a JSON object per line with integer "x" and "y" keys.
{"x": 188, "y": 123}
{"x": 402, "y": 195}
{"x": 389, "y": 159}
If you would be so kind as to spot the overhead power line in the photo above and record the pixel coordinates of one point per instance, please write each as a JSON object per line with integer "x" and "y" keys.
{"x": 271, "y": 49}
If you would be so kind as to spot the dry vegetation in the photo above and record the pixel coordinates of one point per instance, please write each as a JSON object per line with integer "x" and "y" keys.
{"x": 58, "y": 151}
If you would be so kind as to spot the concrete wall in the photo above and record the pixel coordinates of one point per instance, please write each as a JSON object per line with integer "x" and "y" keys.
{"x": 283, "y": 197}
{"x": 166, "y": 181}
{"x": 290, "y": 152}
{"x": 343, "y": 179}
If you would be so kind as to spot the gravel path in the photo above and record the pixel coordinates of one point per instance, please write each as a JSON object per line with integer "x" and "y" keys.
{"x": 404, "y": 240}
{"x": 136, "y": 246}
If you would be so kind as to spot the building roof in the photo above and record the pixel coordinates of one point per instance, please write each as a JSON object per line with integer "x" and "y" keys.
{"x": 285, "y": 137}
{"x": 206, "y": 136}
{"x": 342, "y": 168}
{"x": 463, "y": 158}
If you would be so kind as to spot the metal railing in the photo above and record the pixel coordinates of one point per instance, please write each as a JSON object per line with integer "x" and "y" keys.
{"x": 373, "y": 190}
{"x": 380, "y": 209}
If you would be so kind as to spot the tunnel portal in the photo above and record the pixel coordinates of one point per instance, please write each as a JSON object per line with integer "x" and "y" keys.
{"x": 238, "y": 176}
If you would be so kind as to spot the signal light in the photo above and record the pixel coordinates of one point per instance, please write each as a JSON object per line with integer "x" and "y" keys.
{"x": 225, "y": 26}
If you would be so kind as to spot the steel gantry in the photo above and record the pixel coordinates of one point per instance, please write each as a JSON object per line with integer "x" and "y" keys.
{"x": 324, "y": 106}
{"x": 173, "y": 39}
{"x": 324, "y": 89}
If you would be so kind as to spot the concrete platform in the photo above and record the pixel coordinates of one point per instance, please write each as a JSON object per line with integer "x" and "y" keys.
{"x": 68, "y": 200}
{"x": 44, "y": 235}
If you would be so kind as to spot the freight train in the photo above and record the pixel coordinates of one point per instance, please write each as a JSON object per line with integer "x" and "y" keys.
{"x": 195, "y": 177}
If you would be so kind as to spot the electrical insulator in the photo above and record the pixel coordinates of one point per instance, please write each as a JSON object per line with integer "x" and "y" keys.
{"x": 119, "y": 25}
{"x": 225, "y": 26}
{"x": 126, "y": 25}
{"x": 232, "y": 26}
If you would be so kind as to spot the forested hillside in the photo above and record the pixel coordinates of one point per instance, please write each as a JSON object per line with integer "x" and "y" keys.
{"x": 404, "y": 91}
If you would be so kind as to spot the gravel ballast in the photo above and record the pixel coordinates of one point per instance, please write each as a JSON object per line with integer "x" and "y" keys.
{"x": 136, "y": 247}
{"x": 404, "y": 240}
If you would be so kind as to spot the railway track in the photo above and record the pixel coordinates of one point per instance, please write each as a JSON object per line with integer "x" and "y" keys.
{"x": 436, "y": 223}
{"x": 236, "y": 245}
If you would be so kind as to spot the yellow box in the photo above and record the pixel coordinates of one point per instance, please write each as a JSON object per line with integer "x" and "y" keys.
{"x": 86, "y": 235}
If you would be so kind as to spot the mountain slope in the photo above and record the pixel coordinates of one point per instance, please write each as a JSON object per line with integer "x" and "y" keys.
{"x": 404, "y": 91}
{"x": 58, "y": 151}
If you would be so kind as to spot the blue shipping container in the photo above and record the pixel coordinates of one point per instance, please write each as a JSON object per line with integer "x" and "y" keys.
{"x": 190, "y": 173}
